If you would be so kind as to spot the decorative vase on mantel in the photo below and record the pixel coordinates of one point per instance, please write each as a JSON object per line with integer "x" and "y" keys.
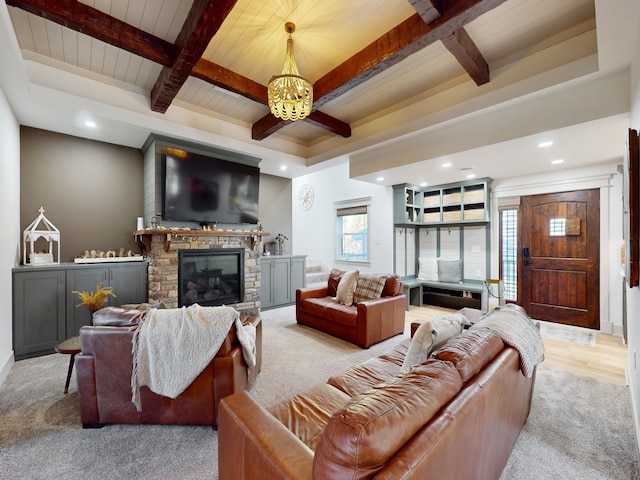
{"x": 280, "y": 238}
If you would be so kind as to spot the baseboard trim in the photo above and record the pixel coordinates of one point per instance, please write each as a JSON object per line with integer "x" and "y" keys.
{"x": 6, "y": 367}
{"x": 606, "y": 327}
{"x": 634, "y": 407}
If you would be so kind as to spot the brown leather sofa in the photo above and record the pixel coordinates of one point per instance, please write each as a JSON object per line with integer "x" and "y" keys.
{"x": 457, "y": 415}
{"x": 104, "y": 367}
{"x": 365, "y": 323}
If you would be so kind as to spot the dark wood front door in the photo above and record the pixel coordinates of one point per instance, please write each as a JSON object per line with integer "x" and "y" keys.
{"x": 560, "y": 257}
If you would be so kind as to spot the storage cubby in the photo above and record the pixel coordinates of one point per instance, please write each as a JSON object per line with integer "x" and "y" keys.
{"x": 407, "y": 205}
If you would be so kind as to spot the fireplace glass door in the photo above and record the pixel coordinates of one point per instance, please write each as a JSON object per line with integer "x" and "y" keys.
{"x": 210, "y": 277}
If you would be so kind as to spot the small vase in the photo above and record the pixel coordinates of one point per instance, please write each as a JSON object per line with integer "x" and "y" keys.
{"x": 280, "y": 248}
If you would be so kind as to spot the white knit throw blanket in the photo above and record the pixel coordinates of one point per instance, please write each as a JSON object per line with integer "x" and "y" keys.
{"x": 516, "y": 329}
{"x": 171, "y": 347}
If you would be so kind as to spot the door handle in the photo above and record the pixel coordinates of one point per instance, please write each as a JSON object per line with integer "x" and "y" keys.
{"x": 525, "y": 253}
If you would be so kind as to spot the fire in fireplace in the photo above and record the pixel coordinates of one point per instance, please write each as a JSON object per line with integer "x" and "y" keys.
{"x": 210, "y": 277}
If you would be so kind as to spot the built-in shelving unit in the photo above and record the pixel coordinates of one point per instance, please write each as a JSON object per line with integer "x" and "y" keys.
{"x": 458, "y": 203}
{"x": 452, "y": 221}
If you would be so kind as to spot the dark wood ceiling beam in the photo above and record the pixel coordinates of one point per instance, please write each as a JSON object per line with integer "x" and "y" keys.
{"x": 405, "y": 39}
{"x": 330, "y": 123}
{"x": 428, "y": 10}
{"x": 267, "y": 125}
{"x": 460, "y": 44}
{"x": 270, "y": 124}
{"x": 84, "y": 19}
{"x": 229, "y": 80}
{"x": 202, "y": 23}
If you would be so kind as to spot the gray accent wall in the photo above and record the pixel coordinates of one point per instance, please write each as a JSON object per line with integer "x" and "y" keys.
{"x": 93, "y": 192}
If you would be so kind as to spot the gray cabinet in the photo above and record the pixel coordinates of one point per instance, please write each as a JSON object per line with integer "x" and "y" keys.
{"x": 128, "y": 282}
{"x": 38, "y": 311}
{"x": 45, "y": 308}
{"x": 280, "y": 276}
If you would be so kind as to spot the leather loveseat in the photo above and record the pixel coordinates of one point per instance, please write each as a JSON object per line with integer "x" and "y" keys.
{"x": 363, "y": 323}
{"x": 457, "y": 415}
{"x": 104, "y": 369}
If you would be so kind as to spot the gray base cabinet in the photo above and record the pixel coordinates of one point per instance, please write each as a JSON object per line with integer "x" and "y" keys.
{"x": 280, "y": 276}
{"x": 45, "y": 308}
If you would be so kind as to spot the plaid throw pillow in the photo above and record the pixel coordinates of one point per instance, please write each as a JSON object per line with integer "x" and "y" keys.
{"x": 369, "y": 286}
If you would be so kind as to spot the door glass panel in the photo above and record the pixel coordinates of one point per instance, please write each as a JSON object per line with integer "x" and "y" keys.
{"x": 557, "y": 227}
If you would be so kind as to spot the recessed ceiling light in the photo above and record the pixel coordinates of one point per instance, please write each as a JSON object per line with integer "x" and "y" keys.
{"x": 90, "y": 124}
{"x": 557, "y": 161}
{"x": 283, "y": 167}
{"x": 423, "y": 184}
{"x": 446, "y": 164}
{"x": 471, "y": 175}
{"x": 379, "y": 179}
{"x": 548, "y": 143}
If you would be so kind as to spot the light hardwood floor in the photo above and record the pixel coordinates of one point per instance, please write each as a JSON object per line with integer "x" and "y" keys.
{"x": 606, "y": 361}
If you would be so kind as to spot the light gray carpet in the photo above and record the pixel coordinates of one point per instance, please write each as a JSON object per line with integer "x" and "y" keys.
{"x": 579, "y": 428}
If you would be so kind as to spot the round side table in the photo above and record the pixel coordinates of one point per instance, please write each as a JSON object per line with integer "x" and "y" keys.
{"x": 70, "y": 346}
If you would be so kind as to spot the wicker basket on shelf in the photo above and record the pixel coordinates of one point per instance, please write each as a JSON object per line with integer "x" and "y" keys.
{"x": 474, "y": 214}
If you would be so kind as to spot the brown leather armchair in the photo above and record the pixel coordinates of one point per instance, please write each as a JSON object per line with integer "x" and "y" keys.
{"x": 104, "y": 368}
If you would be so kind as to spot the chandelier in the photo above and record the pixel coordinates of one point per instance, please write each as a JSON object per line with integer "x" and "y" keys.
{"x": 290, "y": 95}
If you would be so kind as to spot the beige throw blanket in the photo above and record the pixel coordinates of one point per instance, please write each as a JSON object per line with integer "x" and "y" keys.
{"x": 516, "y": 329}
{"x": 171, "y": 347}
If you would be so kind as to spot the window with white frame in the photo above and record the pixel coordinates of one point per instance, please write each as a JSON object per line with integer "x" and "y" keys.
{"x": 508, "y": 208}
{"x": 352, "y": 227}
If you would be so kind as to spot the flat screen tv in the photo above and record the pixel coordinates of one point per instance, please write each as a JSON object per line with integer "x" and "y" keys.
{"x": 204, "y": 189}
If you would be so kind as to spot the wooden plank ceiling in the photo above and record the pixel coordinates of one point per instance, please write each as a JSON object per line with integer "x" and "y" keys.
{"x": 177, "y": 50}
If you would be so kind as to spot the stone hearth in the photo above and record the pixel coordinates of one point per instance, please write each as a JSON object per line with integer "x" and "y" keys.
{"x": 162, "y": 253}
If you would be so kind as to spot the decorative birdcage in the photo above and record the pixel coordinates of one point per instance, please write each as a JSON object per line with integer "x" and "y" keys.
{"x": 40, "y": 228}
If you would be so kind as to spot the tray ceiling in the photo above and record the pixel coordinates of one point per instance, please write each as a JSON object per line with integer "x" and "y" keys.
{"x": 403, "y": 61}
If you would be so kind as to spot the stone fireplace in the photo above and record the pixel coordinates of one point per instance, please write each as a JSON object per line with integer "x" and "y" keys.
{"x": 164, "y": 249}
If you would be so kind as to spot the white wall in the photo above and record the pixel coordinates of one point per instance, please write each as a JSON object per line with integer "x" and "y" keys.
{"x": 314, "y": 230}
{"x": 10, "y": 221}
{"x": 633, "y": 294}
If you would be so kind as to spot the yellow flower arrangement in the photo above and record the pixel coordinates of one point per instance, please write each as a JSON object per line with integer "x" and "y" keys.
{"x": 94, "y": 301}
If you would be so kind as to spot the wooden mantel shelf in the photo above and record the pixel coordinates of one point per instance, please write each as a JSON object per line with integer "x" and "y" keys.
{"x": 143, "y": 237}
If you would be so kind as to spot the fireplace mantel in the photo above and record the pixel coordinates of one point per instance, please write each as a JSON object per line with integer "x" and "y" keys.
{"x": 143, "y": 237}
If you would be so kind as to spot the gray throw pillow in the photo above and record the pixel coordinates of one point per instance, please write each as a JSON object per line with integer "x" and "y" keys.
{"x": 450, "y": 271}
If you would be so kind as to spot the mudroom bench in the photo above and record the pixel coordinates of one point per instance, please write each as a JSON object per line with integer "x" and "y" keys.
{"x": 444, "y": 294}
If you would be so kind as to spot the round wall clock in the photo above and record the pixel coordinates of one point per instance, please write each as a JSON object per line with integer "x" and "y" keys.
{"x": 306, "y": 197}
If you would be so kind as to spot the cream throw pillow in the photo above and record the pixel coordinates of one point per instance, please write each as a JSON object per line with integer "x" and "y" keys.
{"x": 430, "y": 336}
{"x": 428, "y": 269}
{"x": 347, "y": 287}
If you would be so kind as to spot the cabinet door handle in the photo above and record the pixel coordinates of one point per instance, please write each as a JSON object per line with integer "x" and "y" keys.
{"x": 61, "y": 277}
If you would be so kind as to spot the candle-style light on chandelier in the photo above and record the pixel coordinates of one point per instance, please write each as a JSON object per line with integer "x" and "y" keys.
{"x": 290, "y": 95}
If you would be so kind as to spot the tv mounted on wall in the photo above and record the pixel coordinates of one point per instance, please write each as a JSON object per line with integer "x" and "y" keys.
{"x": 205, "y": 189}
